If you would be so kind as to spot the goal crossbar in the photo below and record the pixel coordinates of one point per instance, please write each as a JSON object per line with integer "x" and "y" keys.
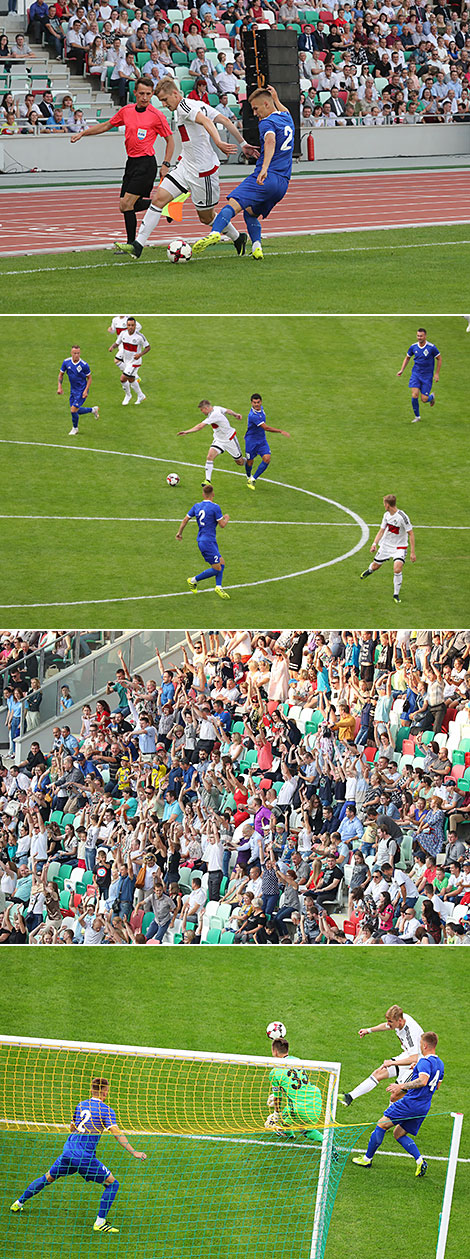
{"x": 145, "y": 1051}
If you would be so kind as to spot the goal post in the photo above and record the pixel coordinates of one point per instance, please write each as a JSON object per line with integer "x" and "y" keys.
{"x": 444, "y": 1217}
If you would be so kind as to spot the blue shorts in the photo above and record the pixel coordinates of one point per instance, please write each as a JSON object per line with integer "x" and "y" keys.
{"x": 419, "y": 381}
{"x": 76, "y": 398}
{"x": 87, "y": 1166}
{"x": 261, "y": 197}
{"x": 402, "y": 1112}
{"x": 209, "y": 550}
{"x": 256, "y": 447}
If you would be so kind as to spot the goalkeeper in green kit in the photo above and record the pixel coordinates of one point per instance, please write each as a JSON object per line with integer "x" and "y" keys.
{"x": 295, "y": 1101}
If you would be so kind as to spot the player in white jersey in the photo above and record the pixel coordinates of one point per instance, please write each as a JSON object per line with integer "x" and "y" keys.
{"x": 409, "y": 1033}
{"x": 131, "y": 345}
{"x": 224, "y": 441}
{"x": 197, "y": 170}
{"x": 118, "y": 325}
{"x": 396, "y": 530}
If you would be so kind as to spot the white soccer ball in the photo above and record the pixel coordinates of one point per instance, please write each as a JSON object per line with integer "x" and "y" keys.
{"x": 275, "y": 1031}
{"x": 179, "y": 251}
{"x": 172, "y": 478}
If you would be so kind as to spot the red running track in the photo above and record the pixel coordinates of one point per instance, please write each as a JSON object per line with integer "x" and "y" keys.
{"x": 50, "y": 220}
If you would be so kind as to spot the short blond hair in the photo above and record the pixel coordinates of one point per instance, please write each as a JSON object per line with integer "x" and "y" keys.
{"x": 164, "y": 86}
{"x": 395, "y": 1012}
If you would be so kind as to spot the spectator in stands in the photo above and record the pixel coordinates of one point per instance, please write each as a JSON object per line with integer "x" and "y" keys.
{"x": 54, "y": 33}
{"x": 38, "y": 15}
{"x": 9, "y": 125}
{"x": 125, "y": 71}
{"x": 97, "y": 57}
{"x": 199, "y": 91}
{"x": 46, "y": 104}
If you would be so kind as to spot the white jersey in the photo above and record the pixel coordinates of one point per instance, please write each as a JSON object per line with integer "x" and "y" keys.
{"x": 198, "y": 156}
{"x": 220, "y": 422}
{"x": 396, "y": 529}
{"x": 409, "y": 1036}
{"x": 130, "y": 346}
{"x": 119, "y": 324}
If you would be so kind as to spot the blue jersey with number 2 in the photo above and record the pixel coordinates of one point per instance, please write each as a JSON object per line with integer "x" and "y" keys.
{"x": 283, "y": 126}
{"x": 91, "y": 1118}
{"x": 207, "y": 515}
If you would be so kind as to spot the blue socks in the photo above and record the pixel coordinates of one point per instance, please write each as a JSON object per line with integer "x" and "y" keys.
{"x": 107, "y": 1199}
{"x": 409, "y": 1145}
{"x": 254, "y": 227}
{"x": 219, "y": 575}
{"x": 262, "y": 467}
{"x": 208, "y": 572}
{"x": 415, "y": 405}
{"x": 83, "y": 410}
{"x": 222, "y": 218}
{"x": 34, "y": 1188}
{"x": 374, "y": 1141}
{"x": 248, "y": 467}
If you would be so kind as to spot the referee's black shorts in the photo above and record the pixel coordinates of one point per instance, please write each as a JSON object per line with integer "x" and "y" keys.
{"x": 139, "y": 176}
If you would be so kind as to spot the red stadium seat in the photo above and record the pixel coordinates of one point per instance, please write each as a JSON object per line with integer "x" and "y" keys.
{"x": 349, "y": 928}
{"x": 370, "y": 754}
{"x": 408, "y": 747}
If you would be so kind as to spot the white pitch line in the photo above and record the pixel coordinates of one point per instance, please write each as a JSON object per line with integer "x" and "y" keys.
{"x": 175, "y": 520}
{"x": 273, "y": 253}
{"x": 265, "y": 581}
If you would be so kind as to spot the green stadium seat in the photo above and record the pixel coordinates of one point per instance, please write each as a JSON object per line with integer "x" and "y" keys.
{"x": 224, "y": 912}
{"x": 216, "y": 923}
{"x": 179, "y": 59}
{"x": 224, "y": 885}
{"x": 213, "y": 99}
{"x": 80, "y": 888}
{"x": 209, "y": 42}
{"x": 65, "y": 898}
{"x": 186, "y": 85}
{"x": 227, "y": 937}
{"x": 53, "y": 871}
{"x": 238, "y": 727}
{"x": 142, "y": 58}
{"x": 65, "y": 872}
{"x": 87, "y": 877}
{"x": 458, "y": 758}
{"x": 213, "y": 936}
{"x": 401, "y": 736}
{"x": 428, "y": 737}
{"x": 177, "y": 938}
{"x": 56, "y": 816}
{"x": 147, "y": 919}
{"x": 68, "y": 820}
{"x": 464, "y": 745}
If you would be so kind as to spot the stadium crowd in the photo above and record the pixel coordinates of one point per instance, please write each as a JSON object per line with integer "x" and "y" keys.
{"x": 374, "y": 64}
{"x": 249, "y": 791}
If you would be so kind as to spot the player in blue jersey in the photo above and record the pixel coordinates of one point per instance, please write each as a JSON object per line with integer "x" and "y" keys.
{"x": 255, "y": 440}
{"x": 410, "y": 1103}
{"x": 208, "y": 515}
{"x": 268, "y": 184}
{"x": 426, "y": 358}
{"x": 79, "y": 374}
{"x": 90, "y": 1119}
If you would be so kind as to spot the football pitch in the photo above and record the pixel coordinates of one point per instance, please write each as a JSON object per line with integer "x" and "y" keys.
{"x": 89, "y": 523}
{"x": 357, "y": 272}
{"x": 323, "y": 997}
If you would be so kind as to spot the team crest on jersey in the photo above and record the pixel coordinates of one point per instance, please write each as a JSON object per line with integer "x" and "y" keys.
{"x": 78, "y": 367}
{"x": 425, "y": 353}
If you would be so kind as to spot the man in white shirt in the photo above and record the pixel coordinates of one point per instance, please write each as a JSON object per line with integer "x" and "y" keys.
{"x": 401, "y": 887}
{"x": 407, "y": 926}
{"x": 195, "y": 902}
{"x": 224, "y": 436}
{"x": 409, "y": 1033}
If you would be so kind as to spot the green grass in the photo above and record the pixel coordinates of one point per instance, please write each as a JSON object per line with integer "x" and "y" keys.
{"x": 197, "y": 1003}
{"x": 330, "y": 381}
{"x": 410, "y": 269}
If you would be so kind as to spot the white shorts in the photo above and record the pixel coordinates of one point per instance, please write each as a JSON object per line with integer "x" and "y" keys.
{"x": 399, "y": 1073}
{"x": 129, "y": 367}
{"x": 385, "y": 553}
{"x": 229, "y": 447}
{"x": 204, "y": 189}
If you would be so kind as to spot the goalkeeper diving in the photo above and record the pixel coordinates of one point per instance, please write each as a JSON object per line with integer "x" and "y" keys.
{"x": 295, "y": 1102}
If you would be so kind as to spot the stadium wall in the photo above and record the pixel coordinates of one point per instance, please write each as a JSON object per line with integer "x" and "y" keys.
{"x": 106, "y": 153}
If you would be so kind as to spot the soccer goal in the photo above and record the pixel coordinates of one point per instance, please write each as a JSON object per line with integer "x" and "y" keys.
{"x": 215, "y": 1183}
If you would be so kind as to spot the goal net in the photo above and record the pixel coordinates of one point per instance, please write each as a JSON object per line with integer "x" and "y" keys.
{"x": 215, "y": 1182}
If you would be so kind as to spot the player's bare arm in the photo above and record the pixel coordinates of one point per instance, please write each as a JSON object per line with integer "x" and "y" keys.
{"x": 269, "y": 429}
{"x": 412, "y": 546}
{"x": 379, "y": 1027}
{"x": 59, "y": 382}
{"x": 377, "y": 539}
{"x": 236, "y": 414}
{"x": 438, "y": 362}
{"x": 184, "y": 431}
{"x": 122, "y": 1140}
{"x": 223, "y": 521}
{"x": 182, "y": 526}
{"x": 209, "y": 126}
{"x": 269, "y": 150}
{"x": 277, "y": 103}
{"x": 404, "y": 364}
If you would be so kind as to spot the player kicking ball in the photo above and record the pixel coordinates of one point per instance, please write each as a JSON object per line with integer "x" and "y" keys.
{"x": 197, "y": 171}
{"x": 208, "y": 515}
{"x": 268, "y": 184}
{"x": 90, "y": 1119}
{"x": 79, "y": 376}
{"x": 255, "y": 440}
{"x": 225, "y": 440}
{"x": 410, "y": 1104}
{"x": 395, "y": 532}
{"x": 409, "y": 1033}
{"x": 426, "y": 358}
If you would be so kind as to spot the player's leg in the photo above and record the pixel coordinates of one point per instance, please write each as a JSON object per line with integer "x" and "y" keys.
{"x": 161, "y": 197}
{"x": 207, "y": 217}
{"x": 263, "y": 465}
{"x": 403, "y": 1134}
{"x": 397, "y": 579}
{"x": 61, "y": 1167}
{"x": 126, "y": 384}
{"x": 135, "y": 385}
{"x": 367, "y": 1085}
{"x": 373, "y": 568}
{"x": 212, "y": 455}
{"x": 90, "y": 1169}
{"x": 415, "y": 404}
{"x": 74, "y": 418}
{"x": 81, "y": 410}
{"x": 428, "y": 396}
{"x": 254, "y": 231}
{"x": 217, "y": 565}
{"x": 375, "y": 1141}
{"x": 219, "y": 226}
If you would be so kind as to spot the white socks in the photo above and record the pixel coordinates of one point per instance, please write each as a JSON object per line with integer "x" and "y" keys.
{"x": 149, "y": 222}
{"x": 209, "y": 469}
{"x": 366, "y": 1087}
{"x": 126, "y": 388}
{"x": 231, "y": 231}
{"x": 397, "y": 580}
{"x": 136, "y": 387}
